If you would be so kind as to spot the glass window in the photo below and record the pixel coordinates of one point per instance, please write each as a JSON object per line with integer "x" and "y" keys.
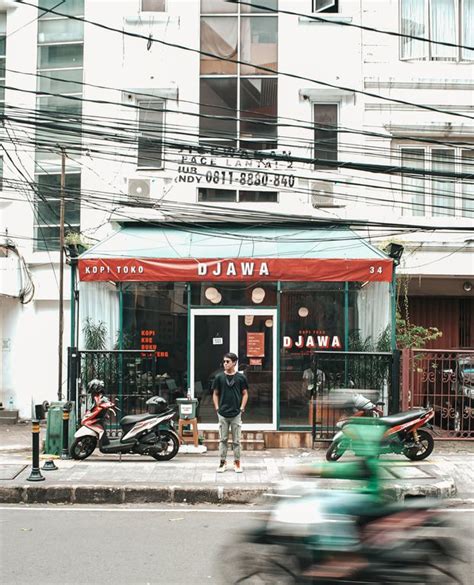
{"x": 219, "y": 37}
{"x": 218, "y": 116}
{"x": 59, "y": 56}
{"x": 260, "y": 6}
{"x": 153, "y": 6}
{"x": 413, "y": 19}
{"x": 467, "y": 21}
{"x": 443, "y": 29}
{"x": 325, "y": 135}
{"x": 155, "y": 318}
{"x": 258, "y": 44}
{"x": 47, "y": 208}
{"x": 413, "y": 185}
{"x": 258, "y": 197}
{"x": 217, "y": 195}
{"x": 468, "y": 186}
{"x": 150, "y": 141}
{"x": 258, "y": 100}
{"x": 64, "y": 82}
{"x": 1, "y": 173}
{"x": 69, "y": 7}
{"x": 443, "y": 188}
{"x": 325, "y": 5}
{"x": 60, "y": 31}
{"x": 232, "y": 294}
{"x": 218, "y": 7}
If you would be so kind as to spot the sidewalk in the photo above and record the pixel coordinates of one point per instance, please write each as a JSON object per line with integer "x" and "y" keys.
{"x": 193, "y": 478}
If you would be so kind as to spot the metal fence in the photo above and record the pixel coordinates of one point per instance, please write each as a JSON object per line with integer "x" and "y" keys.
{"x": 130, "y": 378}
{"x": 373, "y": 374}
{"x": 444, "y": 380}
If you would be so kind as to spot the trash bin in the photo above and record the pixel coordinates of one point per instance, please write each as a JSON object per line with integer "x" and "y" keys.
{"x": 54, "y": 427}
{"x": 187, "y": 407}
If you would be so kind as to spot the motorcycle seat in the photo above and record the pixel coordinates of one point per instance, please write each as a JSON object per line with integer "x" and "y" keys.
{"x": 133, "y": 419}
{"x": 403, "y": 417}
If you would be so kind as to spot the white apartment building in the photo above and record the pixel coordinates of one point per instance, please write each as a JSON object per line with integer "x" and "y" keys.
{"x": 145, "y": 96}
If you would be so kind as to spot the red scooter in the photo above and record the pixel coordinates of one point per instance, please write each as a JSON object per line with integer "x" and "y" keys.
{"x": 404, "y": 432}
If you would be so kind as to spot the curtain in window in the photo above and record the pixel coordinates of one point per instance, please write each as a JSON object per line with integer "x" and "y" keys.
{"x": 413, "y": 19}
{"x": 373, "y": 311}
{"x": 413, "y": 185}
{"x": 443, "y": 28}
{"x": 219, "y": 37}
{"x": 99, "y": 301}
{"x": 443, "y": 189}
{"x": 467, "y": 20}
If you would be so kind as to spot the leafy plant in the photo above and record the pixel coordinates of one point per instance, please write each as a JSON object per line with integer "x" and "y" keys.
{"x": 95, "y": 334}
{"x": 414, "y": 336}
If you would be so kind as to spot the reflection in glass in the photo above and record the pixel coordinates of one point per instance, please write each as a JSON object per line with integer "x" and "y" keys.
{"x": 258, "y": 44}
{"x": 58, "y": 56}
{"x": 270, "y": 5}
{"x": 218, "y": 37}
{"x": 150, "y": 140}
{"x": 413, "y": 185}
{"x": 217, "y": 195}
{"x": 259, "y": 108}
{"x": 63, "y": 30}
{"x": 325, "y": 135}
{"x": 67, "y": 81}
{"x": 217, "y": 7}
{"x": 218, "y": 110}
{"x": 443, "y": 188}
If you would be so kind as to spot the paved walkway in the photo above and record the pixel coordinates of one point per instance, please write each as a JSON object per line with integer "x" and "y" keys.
{"x": 193, "y": 477}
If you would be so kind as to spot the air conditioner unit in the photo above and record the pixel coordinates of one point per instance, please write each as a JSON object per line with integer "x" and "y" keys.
{"x": 139, "y": 188}
{"x": 322, "y": 194}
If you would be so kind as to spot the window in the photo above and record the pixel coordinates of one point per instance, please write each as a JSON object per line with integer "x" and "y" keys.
{"x": 325, "y": 135}
{"x": 150, "y": 129}
{"x": 3, "y": 43}
{"x": 447, "y": 21}
{"x": 239, "y": 107}
{"x": 1, "y": 173}
{"x": 228, "y": 195}
{"x": 153, "y": 5}
{"x": 437, "y": 195}
{"x": 325, "y": 5}
{"x": 47, "y": 209}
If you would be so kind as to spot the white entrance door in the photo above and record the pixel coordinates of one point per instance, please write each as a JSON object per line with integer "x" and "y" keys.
{"x": 250, "y": 334}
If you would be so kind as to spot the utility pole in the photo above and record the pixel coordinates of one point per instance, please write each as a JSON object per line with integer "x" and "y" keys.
{"x": 61, "y": 273}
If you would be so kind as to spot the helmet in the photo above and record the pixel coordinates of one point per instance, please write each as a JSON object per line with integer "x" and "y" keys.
{"x": 95, "y": 386}
{"x": 156, "y": 405}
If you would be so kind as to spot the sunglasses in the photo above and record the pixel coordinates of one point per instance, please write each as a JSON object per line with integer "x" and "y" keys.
{"x": 227, "y": 361}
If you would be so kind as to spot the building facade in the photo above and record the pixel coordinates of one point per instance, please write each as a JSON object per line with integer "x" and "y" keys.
{"x": 188, "y": 112}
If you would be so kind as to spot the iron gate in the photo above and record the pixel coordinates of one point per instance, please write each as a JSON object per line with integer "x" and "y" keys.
{"x": 444, "y": 380}
{"x": 130, "y": 378}
{"x": 336, "y": 373}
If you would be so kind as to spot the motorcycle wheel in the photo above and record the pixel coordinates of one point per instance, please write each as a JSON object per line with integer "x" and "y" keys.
{"x": 335, "y": 451}
{"x": 247, "y": 564}
{"x": 83, "y": 447}
{"x": 166, "y": 447}
{"x": 424, "y": 449}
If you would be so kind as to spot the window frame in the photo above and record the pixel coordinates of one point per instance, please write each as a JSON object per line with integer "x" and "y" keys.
{"x": 458, "y": 19}
{"x": 237, "y": 195}
{"x": 314, "y": 104}
{"x": 155, "y": 102}
{"x": 458, "y": 210}
{"x": 239, "y": 15}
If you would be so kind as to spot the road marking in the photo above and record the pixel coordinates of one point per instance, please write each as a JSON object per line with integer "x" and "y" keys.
{"x": 169, "y": 510}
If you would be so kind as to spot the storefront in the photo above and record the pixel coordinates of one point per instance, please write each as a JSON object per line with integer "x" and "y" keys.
{"x": 272, "y": 295}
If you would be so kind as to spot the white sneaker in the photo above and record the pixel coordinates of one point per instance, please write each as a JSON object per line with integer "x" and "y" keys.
{"x": 222, "y": 467}
{"x": 238, "y": 467}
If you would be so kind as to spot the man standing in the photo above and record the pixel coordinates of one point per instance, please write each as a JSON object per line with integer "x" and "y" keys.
{"x": 230, "y": 395}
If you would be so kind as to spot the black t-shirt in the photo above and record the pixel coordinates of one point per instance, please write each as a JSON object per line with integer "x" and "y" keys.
{"x": 230, "y": 389}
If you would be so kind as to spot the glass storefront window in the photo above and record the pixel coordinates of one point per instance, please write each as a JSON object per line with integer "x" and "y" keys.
{"x": 155, "y": 318}
{"x": 235, "y": 294}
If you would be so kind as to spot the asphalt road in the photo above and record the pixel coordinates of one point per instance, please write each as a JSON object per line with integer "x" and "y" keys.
{"x": 174, "y": 545}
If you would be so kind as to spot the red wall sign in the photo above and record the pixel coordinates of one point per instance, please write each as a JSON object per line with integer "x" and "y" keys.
{"x": 237, "y": 269}
{"x": 255, "y": 344}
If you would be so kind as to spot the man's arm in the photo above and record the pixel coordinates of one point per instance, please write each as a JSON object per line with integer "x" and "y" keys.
{"x": 245, "y": 397}
{"x": 215, "y": 399}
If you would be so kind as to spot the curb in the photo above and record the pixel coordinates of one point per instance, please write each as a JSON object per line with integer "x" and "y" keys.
{"x": 150, "y": 494}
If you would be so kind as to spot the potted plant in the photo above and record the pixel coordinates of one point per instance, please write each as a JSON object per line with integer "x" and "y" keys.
{"x": 75, "y": 244}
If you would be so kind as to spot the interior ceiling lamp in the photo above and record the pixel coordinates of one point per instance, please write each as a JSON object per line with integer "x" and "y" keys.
{"x": 303, "y": 312}
{"x": 213, "y": 295}
{"x": 269, "y": 323}
{"x": 395, "y": 251}
{"x": 467, "y": 286}
{"x": 258, "y": 294}
{"x": 248, "y": 319}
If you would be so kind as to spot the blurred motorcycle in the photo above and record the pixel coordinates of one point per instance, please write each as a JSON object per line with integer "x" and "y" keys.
{"x": 331, "y": 536}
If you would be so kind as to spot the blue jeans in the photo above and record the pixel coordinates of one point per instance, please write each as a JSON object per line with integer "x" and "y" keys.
{"x": 235, "y": 425}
